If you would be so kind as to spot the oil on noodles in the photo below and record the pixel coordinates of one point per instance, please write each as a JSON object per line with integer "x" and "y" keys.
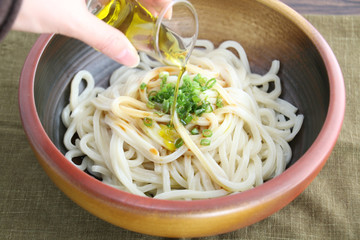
{"x": 249, "y": 137}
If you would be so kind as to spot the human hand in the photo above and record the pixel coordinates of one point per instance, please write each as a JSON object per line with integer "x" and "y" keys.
{"x": 72, "y": 18}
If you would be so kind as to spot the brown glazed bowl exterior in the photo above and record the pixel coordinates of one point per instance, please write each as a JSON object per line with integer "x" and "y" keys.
{"x": 268, "y": 30}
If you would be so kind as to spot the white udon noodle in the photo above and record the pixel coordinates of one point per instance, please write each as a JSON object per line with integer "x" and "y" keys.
{"x": 250, "y": 137}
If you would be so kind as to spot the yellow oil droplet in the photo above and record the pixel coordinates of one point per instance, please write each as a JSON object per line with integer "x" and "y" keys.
{"x": 169, "y": 136}
{"x": 154, "y": 151}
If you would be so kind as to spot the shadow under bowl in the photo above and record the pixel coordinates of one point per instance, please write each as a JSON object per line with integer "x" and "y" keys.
{"x": 268, "y": 30}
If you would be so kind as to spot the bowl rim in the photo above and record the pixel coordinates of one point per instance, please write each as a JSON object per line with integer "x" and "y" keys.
{"x": 296, "y": 178}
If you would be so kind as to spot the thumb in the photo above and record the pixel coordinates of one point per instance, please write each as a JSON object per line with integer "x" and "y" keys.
{"x": 106, "y": 39}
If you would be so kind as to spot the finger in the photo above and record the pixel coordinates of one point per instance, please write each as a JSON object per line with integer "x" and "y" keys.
{"x": 168, "y": 14}
{"x": 106, "y": 39}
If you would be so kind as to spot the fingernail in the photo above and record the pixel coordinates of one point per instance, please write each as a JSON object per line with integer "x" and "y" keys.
{"x": 128, "y": 57}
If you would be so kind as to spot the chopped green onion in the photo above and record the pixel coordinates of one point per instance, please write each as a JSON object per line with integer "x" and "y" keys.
{"x": 197, "y": 77}
{"x": 189, "y": 103}
{"x": 183, "y": 121}
{"x": 148, "y": 122}
{"x": 152, "y": 94}
{"x": 205, "y": 142}
{"x": 143, "y": 86}
{"x": 219, "y": 102}
{"x": 186, "y": 79}
{"x": 207, "y": 133}
{"x": 179, "y": 142}
{"x": 160, "y": 114}
{"x": 194, "y": 131}
{"x": 166, "y": 106}
{"x": 188, "y": 118}
{"x": 196, "y": 98}
{"x": 200, "y": 111}
{"x": 209, "y": 84}
{"x": 150, "y": 105}
{"x": 208, "y": 108}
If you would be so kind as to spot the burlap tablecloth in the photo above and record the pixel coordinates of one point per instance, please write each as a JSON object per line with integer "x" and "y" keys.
{"x": 31, "y": 207}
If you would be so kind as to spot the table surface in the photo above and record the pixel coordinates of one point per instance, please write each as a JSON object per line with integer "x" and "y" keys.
{"x": 336, "y": 7}
{"x": 328, "y": 209}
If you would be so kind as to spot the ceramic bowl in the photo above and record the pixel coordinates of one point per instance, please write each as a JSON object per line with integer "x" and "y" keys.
{"x": 268, "y": 30}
